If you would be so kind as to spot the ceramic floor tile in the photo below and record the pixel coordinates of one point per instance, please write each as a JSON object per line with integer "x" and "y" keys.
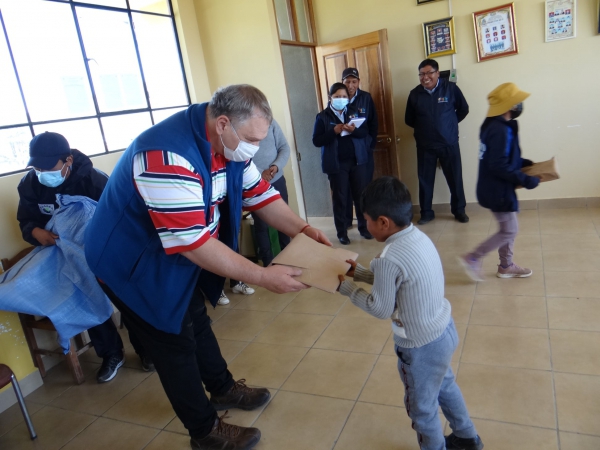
{"x": 264, "y": 300}
{"x": 384, "y": 385}
{"x": 459, "y": 244}
{"x": 111, "y": 434}
{"x": 296, "y": 421}
{"x": 242, "y": 325}
{"x": 577, "y": 403}
{"x": 461, "y": 307}
{"x": 390, "y": 347}
{"x": 573, "y": 441}
{"x": 461, "y": 330}
{"x": 351, "y": 310}
{"x": 59, "y": 379}
{"x": 574, "y": 313}
{"x": 477, "y": 225}
{"x": 526, "y": 348}
{"x": 509, "y": 311}
{"x": 331, "y": 374}
{"x": 54, "y": 427}
{"x": 215, "y": 313}
{"x": 529, "y": 222}
{"x": 230, "y": 349}
{"x": 507, "y": 436}
{"x": 266, "y": 364}
{"x": 571, "y": 242}
{"x": 354, "y": 334}
{"x": 12, "y": 416}
{"x": 572, "y": 284}
{"x": 458, "y": 283}
{"x": 575, "y": 351}
{"x": 315, "y": 301}
{"x": 572, "y": 261}
{"x": 532, "y": 286}
{"x": 520, "y": 396}
{"x": 300, "y": 330}
{"x": 377, "y": 427}
{"x": 146, "y": 405}
{"x": 94, "y": 398}
{"x": 171, "y": 441}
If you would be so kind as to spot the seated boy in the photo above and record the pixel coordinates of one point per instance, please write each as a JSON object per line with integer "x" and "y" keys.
{"x": 408, "y": 287}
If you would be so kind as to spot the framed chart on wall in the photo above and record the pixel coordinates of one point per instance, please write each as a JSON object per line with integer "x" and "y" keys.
{"x": 560, "y": 19}
{"x": 422, "y": 2}
{"x": 495, "y": 32}
{"x": 438, "y": 36}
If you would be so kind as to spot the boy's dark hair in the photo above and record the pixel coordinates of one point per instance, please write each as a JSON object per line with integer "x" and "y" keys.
{"x": 336, "y": 87}
{"x": 389, "y": 197}
{"x": 429, "y": 62}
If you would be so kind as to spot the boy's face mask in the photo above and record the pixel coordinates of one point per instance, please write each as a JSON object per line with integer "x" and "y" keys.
{"x": 52, "y": 178}
{"x": 516, "y": 110}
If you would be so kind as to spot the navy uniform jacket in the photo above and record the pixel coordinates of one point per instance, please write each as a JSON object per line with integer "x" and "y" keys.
{"x": 364, "y": 106}
{"x": 37, "y": 202}
{"x": 500, "y": 165}
{"x": 435, "y": 117}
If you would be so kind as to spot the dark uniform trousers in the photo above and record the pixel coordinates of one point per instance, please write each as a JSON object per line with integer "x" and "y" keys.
{"x": 353, "y": 178}
{"x": 450, "y": 161}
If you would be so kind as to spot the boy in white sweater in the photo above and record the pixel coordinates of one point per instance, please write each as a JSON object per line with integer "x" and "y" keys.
{"x": 408, "y": 287}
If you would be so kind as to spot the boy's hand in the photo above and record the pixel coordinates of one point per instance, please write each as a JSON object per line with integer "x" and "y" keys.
{"x": 352, "y": 268}
{"x": 342, "y": 279}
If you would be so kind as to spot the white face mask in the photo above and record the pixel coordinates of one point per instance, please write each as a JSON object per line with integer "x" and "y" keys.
{"x": 243, "y": 152}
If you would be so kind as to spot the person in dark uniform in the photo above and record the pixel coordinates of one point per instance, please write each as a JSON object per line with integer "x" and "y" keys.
{"x": 434, "y": 109}
{"x": 58, "y": 169}
{"x": 344, "y": 158}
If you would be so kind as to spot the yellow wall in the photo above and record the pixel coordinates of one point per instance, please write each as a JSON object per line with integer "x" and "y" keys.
{"x": 560, "y": 118}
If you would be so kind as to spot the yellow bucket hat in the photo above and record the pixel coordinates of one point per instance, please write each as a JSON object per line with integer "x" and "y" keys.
{"x": 504, "y": 97}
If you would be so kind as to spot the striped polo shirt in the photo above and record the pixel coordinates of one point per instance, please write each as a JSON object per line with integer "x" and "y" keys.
{"x": 172, "y": 191}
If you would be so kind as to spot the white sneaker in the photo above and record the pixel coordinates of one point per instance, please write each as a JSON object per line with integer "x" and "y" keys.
{"x": 242, "y": 288}
{"x": 223, "y": 300}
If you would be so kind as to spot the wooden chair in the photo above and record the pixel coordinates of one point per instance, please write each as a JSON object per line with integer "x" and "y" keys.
{"x": 29, "y": 323}
{"x": 7, "y": 376}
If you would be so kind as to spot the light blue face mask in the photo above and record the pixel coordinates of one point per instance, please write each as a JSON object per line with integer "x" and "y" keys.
{"x": 51, "y": 179}
{"x": 339, "y": 103}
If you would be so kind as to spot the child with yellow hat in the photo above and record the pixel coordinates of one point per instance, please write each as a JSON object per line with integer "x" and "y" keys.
{"x": 500, "y": 174}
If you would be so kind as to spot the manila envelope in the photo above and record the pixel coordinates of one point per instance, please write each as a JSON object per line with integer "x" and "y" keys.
{"x": 320, "y": 264}
{"x": 545, "y": 171}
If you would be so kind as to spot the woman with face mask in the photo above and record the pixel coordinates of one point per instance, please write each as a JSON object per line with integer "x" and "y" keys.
{"x": 344, "y": 157}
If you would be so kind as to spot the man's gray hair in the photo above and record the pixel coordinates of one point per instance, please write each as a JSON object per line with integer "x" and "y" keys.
{"x": 239, "y": 102}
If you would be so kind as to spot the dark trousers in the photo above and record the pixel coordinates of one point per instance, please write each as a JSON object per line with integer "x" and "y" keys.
{"x": 450, "y": 161}
{"x": 370, "y": 172}
{"x": 183, "y": 362}
{"x": 106, "y": 339}
{"x": 349, "y": 177}
{"x": 261, "y": 229}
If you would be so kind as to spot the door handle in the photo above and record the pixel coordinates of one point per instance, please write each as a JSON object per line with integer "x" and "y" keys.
{"x": 388, "y": 140}
{"x": 397, "y": 140}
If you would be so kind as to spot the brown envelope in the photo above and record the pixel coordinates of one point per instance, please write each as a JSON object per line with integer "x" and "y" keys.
{"x": 545, "y": 171}
{"x": 320, "y": 264}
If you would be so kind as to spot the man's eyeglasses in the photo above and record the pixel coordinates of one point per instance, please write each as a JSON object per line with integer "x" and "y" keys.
{"x": 422, "y": 74}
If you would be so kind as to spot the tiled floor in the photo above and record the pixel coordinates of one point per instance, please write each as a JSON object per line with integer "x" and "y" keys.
{"x": 528, "y": 363}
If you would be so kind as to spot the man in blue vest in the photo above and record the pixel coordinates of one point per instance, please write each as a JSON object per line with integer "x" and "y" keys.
{"x": 434, "y": 109}
{"x": 361, "y": 106}
{"x": 166, "y": 223}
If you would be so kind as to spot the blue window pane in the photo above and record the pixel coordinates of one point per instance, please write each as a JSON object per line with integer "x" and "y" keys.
{"x": 155, "y": 6}
{"x": 122, "y": 129}
{"x": 84, "y": 135}
{"x": 12, "y": 110}
{"x": 161, "y": 115}
{"x": 14, "y": 149}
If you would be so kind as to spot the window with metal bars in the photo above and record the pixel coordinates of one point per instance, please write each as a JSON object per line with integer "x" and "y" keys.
{"x": 98, "y": 72}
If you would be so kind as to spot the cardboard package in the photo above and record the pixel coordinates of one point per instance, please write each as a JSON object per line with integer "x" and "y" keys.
{"x": 545, "y": 171}
{"x": 320, "y": 264}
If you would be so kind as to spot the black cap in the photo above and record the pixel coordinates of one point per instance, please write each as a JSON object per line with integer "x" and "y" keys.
{"x": 350, "y": 72}
{"x": 46, "y": 149}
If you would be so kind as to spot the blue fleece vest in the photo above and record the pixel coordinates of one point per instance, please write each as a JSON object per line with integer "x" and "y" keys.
{"x": 122, "y": 246}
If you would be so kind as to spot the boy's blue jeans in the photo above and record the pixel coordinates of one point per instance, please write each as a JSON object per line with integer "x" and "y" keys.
{"x": 429, "y": 382}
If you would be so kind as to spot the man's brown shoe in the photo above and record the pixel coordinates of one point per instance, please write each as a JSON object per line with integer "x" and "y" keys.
{"x": 225, "y": 436}
{"x": 241, "y": 396}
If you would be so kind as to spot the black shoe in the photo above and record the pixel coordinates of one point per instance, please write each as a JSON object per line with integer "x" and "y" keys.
{"x": 461, "y": 217}
{"x": 366, "y": 235}
{"x": 109, "y": 367}
{"x": 424, "y": 220}
{"x": 147, "y": 364}
{"x": 344, "y": 240}
{"x": 226, "y": 436}
{"x": 241, "y": 396}
{"x": 456, "y": 443}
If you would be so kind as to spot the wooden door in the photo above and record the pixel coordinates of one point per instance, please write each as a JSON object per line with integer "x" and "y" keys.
{"x": 369, "y": 54}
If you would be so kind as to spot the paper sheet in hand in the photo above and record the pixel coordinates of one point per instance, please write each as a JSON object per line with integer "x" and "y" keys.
{"x": 356, "y": 122}
{"x": 320, "y": 264}
{"x": 545, "y": 171}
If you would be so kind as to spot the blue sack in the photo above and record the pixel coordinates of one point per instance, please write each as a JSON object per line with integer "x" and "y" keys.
{"x": 55, "y": 281}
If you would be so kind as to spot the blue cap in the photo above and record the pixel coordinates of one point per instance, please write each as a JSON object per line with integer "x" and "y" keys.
{"x": 46, "y": 149}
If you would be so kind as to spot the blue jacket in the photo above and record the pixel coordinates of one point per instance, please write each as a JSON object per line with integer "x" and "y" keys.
{"x": 500, "y": 165}
{"x": 324, "y": 136}
{"x": 364, "y": 106}
{"x": 122, "y": 246}
{"x": 435, "y": 117}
